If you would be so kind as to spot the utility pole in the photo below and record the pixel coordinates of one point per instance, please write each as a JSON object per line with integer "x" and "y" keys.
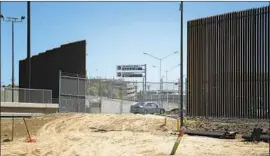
{"x": 181, "y": 68}
{"x": 1, "y": 43}
{"x": 29, "y": 43}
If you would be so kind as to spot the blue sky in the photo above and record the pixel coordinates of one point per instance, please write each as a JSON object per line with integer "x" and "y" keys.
{"x": 116, "y": 32}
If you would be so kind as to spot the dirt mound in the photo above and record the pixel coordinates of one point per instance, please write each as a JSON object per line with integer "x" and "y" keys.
{"x": 71, "y": 132}
{"x": 119, "y": 135}
{"x": 110, "y": 122}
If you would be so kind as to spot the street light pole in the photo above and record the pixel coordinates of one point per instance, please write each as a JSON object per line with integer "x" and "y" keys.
{"x": 12, "y": 20}
{"x": 160, "y": 59}
{"x": 12, "y": 85}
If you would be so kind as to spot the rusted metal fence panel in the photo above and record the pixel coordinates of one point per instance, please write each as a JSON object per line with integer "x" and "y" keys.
{"x": 228, "y": 65}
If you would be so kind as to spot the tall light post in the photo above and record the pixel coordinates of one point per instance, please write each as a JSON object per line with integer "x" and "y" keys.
{"x": 160, "y": 60}
{"x": 12, "y": 20}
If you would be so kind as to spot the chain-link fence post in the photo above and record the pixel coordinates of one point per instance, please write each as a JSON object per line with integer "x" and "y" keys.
{"x": 167, "y": 98}
{"x": 111, "y": 89}
{"x": 43, "y": 96}
{"x": 101, "y": 95}
{"x": 121, "y": 92}
{"x": 134, "y": 98}
{"x": 51, "y": 97}
{"x": 25, "y": 97}
{"x": 28, "y": 95}
{"x": 88, "y": 89}
{"x": 4, "y": 94}
{"x": 59, "y": 94}
{"x": 136, "y": 91}
{"x": 78, "y": 103}
{"x": 98, "y": 80}
{"x": 173, "y": 99}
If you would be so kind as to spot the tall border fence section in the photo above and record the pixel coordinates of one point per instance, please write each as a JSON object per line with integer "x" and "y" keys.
{"x": 228, "y": 65}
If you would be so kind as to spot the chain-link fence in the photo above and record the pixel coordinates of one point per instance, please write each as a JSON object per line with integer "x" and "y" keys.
{"x": 72, "y": 93}
{"x": 167, "y": 96}
{"x": 96, "y": 95}
{"x": 116, "y": 96}
{"x": 26, "y": 95}
{"x": 106, "y": 94}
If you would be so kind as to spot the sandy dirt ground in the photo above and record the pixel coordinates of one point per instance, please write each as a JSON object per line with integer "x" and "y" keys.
{"x": 117, "y": 135}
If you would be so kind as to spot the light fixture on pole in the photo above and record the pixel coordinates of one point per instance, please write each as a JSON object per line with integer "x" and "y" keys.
{"x": 160, "y": 60}
{"x": 12, "y": 20}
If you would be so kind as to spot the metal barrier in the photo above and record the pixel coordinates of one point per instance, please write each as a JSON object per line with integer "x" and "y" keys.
{"x": 26, "y": 95}
{"x": 228, "y": 65}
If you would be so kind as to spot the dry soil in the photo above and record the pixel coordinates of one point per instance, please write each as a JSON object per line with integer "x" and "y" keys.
{"x": 114, "y": 135}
